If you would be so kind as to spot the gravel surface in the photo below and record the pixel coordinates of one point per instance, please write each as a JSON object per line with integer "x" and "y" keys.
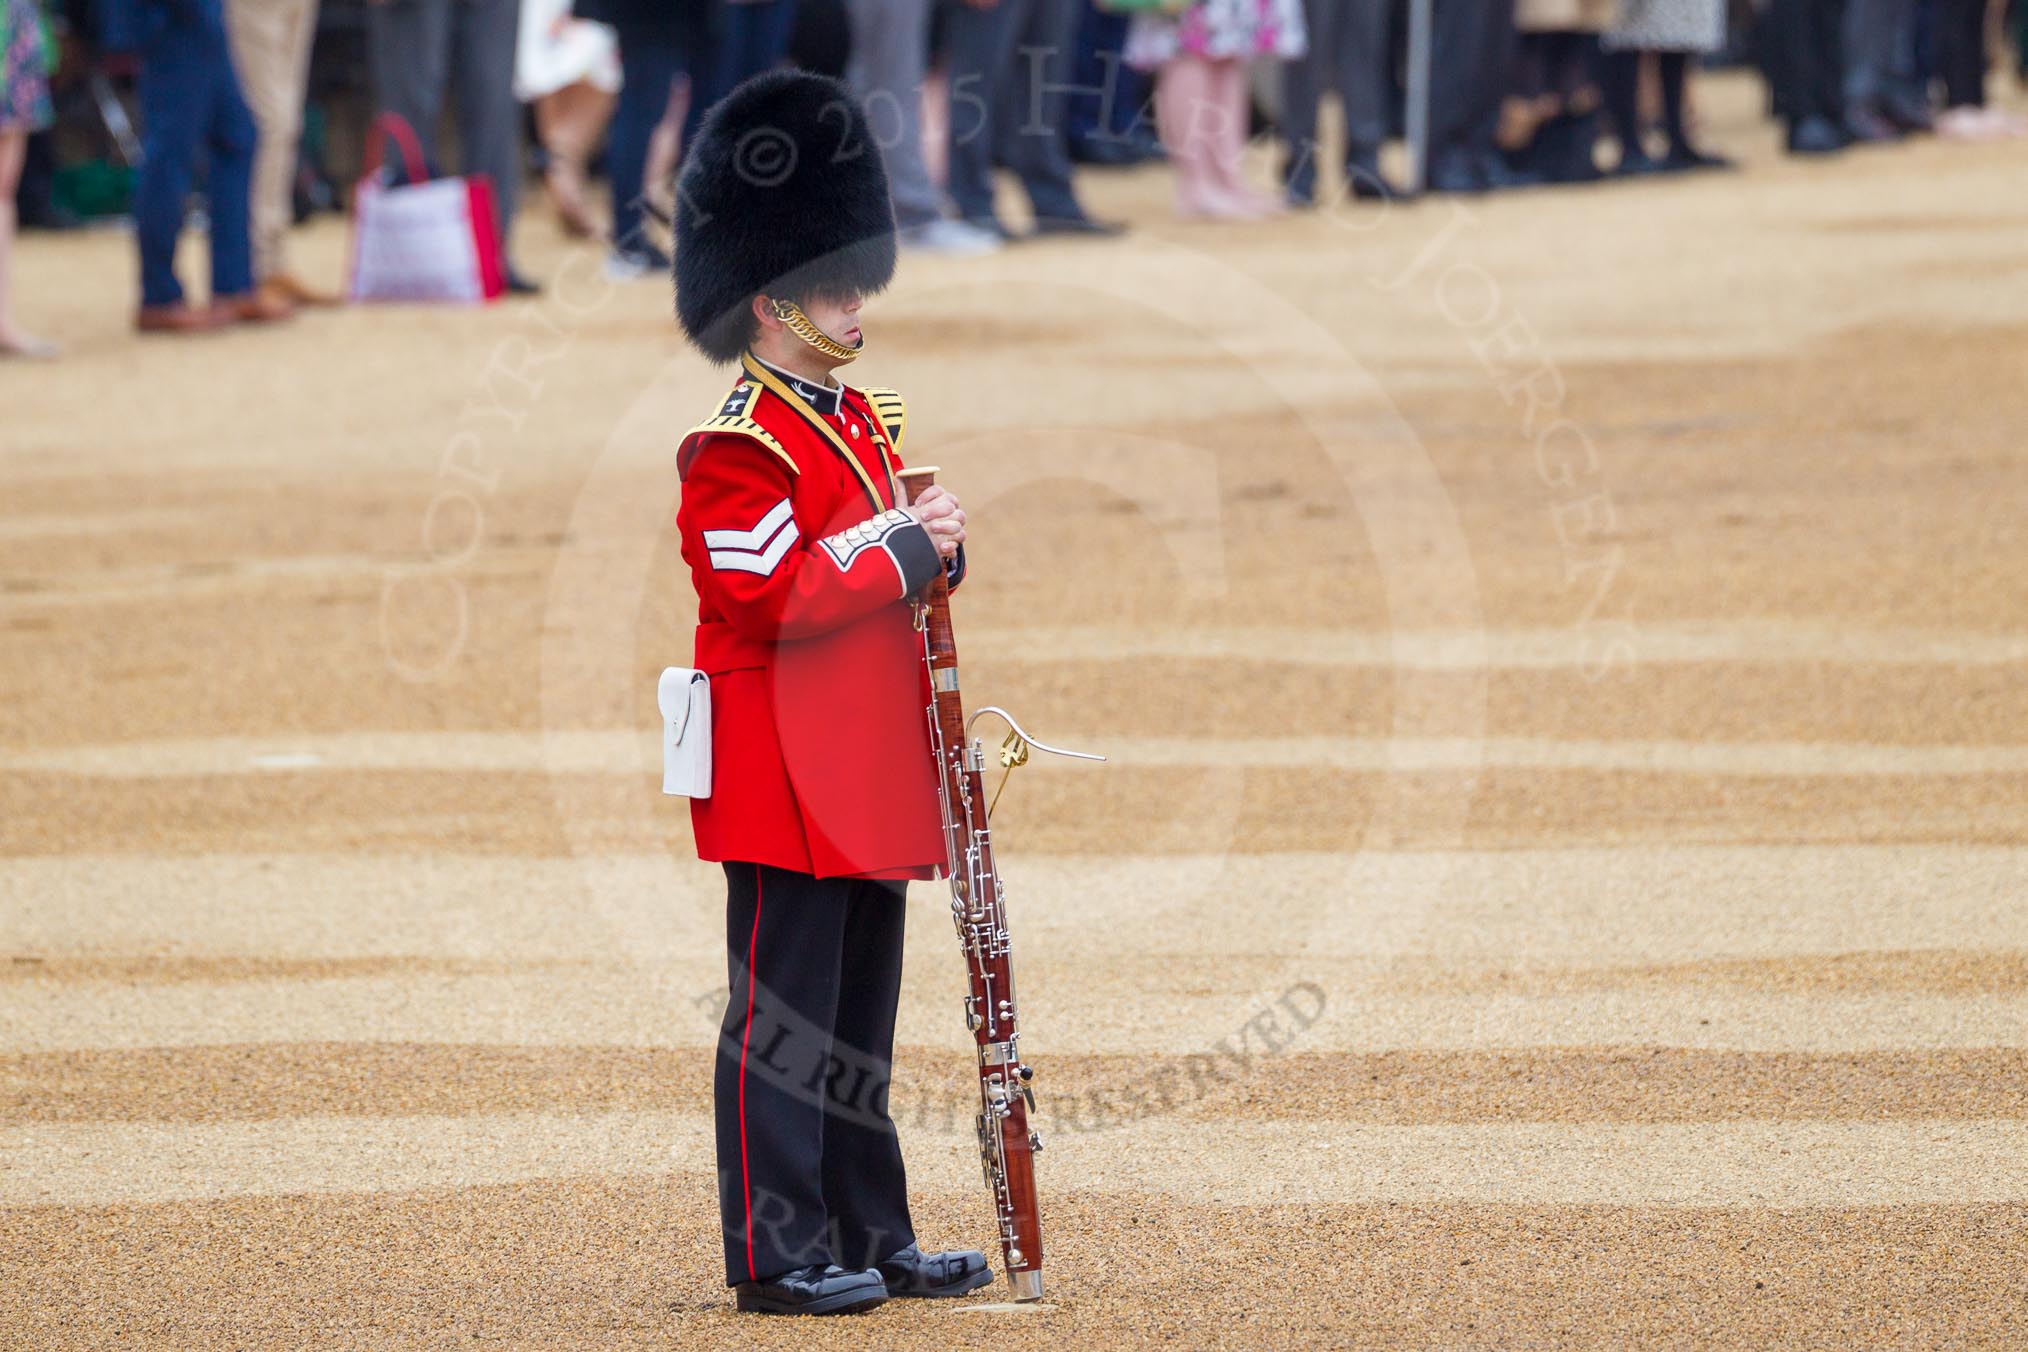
{"x": 1538, "y": 899}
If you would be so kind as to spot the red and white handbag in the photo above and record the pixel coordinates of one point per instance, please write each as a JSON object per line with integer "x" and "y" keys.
{"x": 423, "y": 239}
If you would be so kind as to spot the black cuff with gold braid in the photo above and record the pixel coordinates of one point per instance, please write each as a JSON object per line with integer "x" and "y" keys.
{"x": 906, "y": 541}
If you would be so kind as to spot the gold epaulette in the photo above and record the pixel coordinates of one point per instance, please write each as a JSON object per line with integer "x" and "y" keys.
{"x": 893, "y": 414}
{"x": 733, "y": 419}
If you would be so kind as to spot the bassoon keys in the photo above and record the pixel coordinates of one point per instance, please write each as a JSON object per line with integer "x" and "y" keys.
{"x": 1007, "y": 1144}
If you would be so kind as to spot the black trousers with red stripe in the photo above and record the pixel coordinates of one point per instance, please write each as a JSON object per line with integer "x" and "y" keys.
{"x": 809, "y": 1167}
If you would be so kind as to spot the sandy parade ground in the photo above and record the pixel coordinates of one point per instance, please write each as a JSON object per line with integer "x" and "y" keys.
{"x": 1559, "y": 879}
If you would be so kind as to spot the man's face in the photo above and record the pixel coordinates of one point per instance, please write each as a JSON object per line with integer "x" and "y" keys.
{"x": 837, "y": 316}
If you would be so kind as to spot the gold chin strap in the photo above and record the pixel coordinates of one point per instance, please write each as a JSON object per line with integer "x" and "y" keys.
{"x": 798, "y": 323}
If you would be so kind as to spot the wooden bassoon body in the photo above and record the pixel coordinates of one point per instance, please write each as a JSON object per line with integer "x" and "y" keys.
{"x": 1007, "y": 1144}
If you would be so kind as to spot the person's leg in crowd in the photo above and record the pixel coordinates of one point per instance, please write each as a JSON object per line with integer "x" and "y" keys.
{"x": 1869, "y": 25}
{"x": 408, "y": 45}
{"x": 886, "y": 69}
{"x": 14, "y": 340}
{"x": 1029, "y": 123}
{"x": 1195, "y": 123}
{"x": 1182, "y": 98}
{"x": 1129, "y": 110}
{"x": 1583, "y": 103}
{"x": 1362, "y": 53}
{"x": 271, "y": 52}
{"x": 569, "y": 121}
{"x": 1458, "y": 44}
{"x": 1104, "y": 114}
{"x": 175, "y": 89}
{"x": 1683, "y": 153}
{"x": 483, "y": 34}
{"x": 979, "y": 54}
{"x": 735, "y": 41}
{"x": 759, "y": 39}
{"x": 230, "y": 140}
{"x": 1961, "y": 59}
{"x": 1828, "y": 53}
{"x": 1872, "y": 33}
{"x": 1492, "y": 64}
{"x": 1805, "y": 57}
{"x": 665, "y": 150}
{"x": 1348, "y": 51}
{"x": 1558, "y": 74}
{"x": 651, "y": 57}
{"x": 1962, "y": 62}
{"x": 1230, "y": 98}
{"x": 36, "y": 198}
{"x": 694, "y": 28}
{"x": 1620, "y": 82}
{"x": 711, "y": 63}
{"x": 1905, "y": 98}
{"x": 1304, "y": 80}
{"x": 889, "y": 61}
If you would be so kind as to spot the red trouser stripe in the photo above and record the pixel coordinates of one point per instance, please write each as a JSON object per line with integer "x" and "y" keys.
{"x": 745, "y": 1036}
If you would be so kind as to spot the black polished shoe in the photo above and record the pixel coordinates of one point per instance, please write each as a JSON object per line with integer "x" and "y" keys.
{"x": 1684, "y": 158}
{"x": 1815, "y": 136}
{"x": 818, "y": 1289}
{"x": 1865, "y": 126}
{"x": 1363, "y": 177}
{"x": 1455, "y": 171}
{"x": 1076, "y": 225}
{"x": 1908, "y": 111}
{"x": 911, "y": 1272}
{"x": 1636, "y": 162}
{"x": 521, "y": 284}
{"x": 1107, "y": 151}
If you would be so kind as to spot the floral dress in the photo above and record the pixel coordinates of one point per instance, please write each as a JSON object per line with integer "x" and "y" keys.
{"x": 24, "y": 68}
{"x": 1218, "y": 30}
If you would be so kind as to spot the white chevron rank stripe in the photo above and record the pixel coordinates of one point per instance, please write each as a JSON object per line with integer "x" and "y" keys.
{"x": 758, "y": 550}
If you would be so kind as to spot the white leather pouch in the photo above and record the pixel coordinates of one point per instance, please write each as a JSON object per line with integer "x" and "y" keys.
{"x": 685, "y": 697}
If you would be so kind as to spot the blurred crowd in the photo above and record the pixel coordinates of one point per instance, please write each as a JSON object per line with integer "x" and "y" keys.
{"x": 236, "y": 101}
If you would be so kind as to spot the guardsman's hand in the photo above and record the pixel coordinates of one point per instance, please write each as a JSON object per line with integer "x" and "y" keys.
{"x": 940, "y": 514}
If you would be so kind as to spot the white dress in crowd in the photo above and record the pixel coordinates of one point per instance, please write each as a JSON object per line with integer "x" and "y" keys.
{"x": 556, "y": 51}
{"x": 1668, "y": 26}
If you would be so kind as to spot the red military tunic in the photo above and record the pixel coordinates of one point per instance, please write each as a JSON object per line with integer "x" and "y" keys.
{"x": 803, "y": 570}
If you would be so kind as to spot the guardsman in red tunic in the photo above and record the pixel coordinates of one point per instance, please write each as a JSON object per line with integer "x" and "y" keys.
{"x": 823, "y": 802}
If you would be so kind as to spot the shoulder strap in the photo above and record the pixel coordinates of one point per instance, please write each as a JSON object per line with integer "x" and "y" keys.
{"x": 734, "y": 418}
{"x": 893, "y": 414}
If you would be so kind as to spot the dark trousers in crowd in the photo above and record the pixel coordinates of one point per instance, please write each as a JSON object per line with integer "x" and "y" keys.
{"x": 1009, "y": 67}
{"x": 744, "y": 39}
{"x": 1471, "y": 53}
{"x": 1349, "y": 52}
{"x": 652, "y": 55}
{"x": 1961, "y": 52}
{"x": 889, "y": 58}
{"x": 191, "y": 109}
{"x": 1806, "y": 59}
{"x": 1879, "y": 50}
{"x": 417, "y": 47}
{"x": 809, "y": 1167}
{"x": 1109, "y": 119}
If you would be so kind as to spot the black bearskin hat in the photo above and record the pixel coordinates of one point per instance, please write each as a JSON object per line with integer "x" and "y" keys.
{"x": 784, "y": 194}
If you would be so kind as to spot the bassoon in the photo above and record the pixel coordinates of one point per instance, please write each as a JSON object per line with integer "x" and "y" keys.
{"x": 1007, "y": 1145}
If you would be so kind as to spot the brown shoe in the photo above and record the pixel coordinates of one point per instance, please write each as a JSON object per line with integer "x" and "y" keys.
{"x": 250, "y": 307}
{"x": 292, "y": 290}
{"x": 178, "y": 318}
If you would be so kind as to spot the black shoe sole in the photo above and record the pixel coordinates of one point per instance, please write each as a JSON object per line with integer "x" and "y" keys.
{"x": 959, "y": 1288}
{"x": 844, "y": 1302}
